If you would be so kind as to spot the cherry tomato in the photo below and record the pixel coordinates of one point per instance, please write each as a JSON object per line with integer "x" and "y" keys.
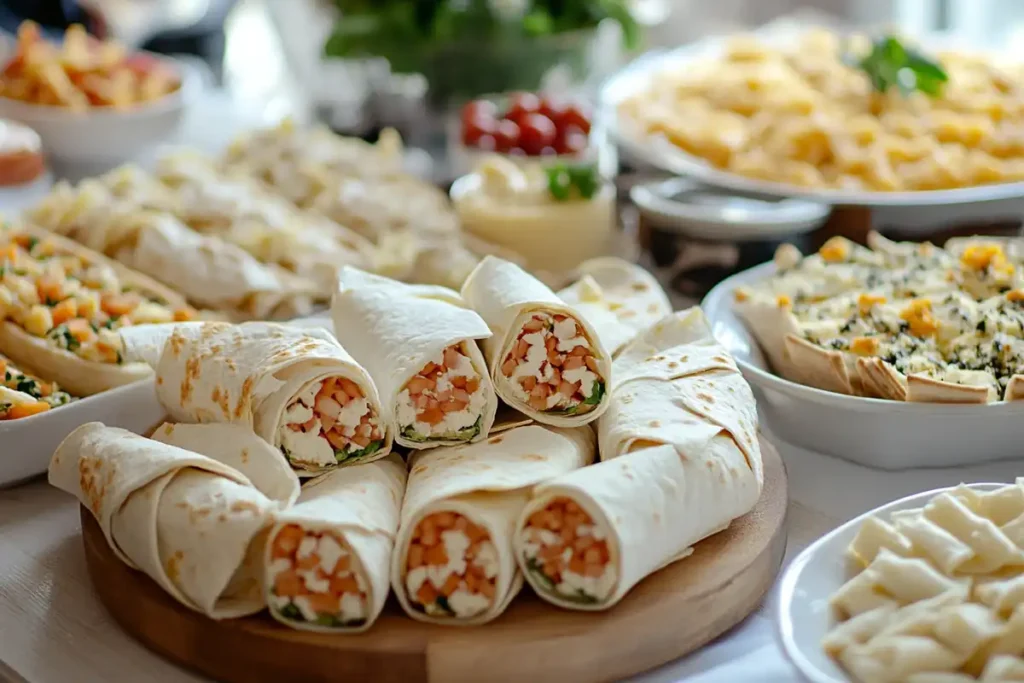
{"x": 521, "y": 104}
{"x": 475, "y": 128}
{"x": 479, "y": 108}
{"x": 536, "y": 132}
{"x": 571, "y": 140}
{"x": 487, "y": 143}
{"x": 575, "y": 115}
{"x": 506, "y": 135}
{"x": 553, "y": 108}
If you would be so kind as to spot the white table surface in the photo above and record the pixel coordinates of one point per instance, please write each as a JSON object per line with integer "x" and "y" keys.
{"x": 54, "y": 630}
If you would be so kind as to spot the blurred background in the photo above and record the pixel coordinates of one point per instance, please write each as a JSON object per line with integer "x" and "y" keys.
{"x": 269, "y": 54}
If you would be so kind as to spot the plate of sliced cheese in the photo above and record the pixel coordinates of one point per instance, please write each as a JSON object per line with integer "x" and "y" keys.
{"x": 924, "y": 589}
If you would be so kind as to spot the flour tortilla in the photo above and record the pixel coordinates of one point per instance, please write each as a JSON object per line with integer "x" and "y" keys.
{"x": 770, "y": 324}
{"x": 505, "y": 296}
{"x": 361, "y": 504}
{"x": 489, "y": 483}
{"x": 244, "y": 374}
{"x": 677, "y": 385}
{"x": 73, "y": 373}
{"x": 654, "y": 504}
{"x": 619, "y": 298}
{"x": 395, "y": 329}
{"x": 194, "y": 525}
{"x": 239, "y": 448}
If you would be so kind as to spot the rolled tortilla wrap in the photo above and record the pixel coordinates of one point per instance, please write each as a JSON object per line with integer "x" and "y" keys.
{"x": 619, "y": 298}
{"x": 194, "y": 525}
{"x": 587, "y": 537}
{"x": 418, "y": 342}
{"x": 453, "y": 561}
{"x": 680, "y": 461}
{"x": 677, "y": 385}
{"x": 328, "y": 558}
{"x": 297, "y": 389}
{"x": 61, "y": 307}
{"x": 545, "y": 357}
{"x": 208, "y": 271}
{"x": 239, "y": 448}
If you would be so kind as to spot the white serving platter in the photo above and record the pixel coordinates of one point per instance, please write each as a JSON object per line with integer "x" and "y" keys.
{"x": 888, "y": 435}
{"x": 27, "y": 444}
{"x": 660, "y": 153}
{"x": 818, "y": 572}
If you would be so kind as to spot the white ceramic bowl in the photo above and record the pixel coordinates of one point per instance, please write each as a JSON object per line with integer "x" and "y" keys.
{"x": 877, "y": 433}
{"x": 818, "y": 572}
{"x": 27, "y": 444}
{"x": 99, "y": 139}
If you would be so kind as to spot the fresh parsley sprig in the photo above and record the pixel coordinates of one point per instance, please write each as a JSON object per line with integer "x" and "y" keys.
{"x": 890, "y": 64}
{"x": 563, "y": 178}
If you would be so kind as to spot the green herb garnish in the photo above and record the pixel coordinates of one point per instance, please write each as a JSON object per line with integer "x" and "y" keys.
{"x": 62, "y": 335}
{"x": 290, "y": 611}
{"x": 564, "y": 178}
{"x": 596, "y": 395}
{"x": 442, "y": 602}
{"x": 370, "y": 449}
{"x": 892, "y": 64}
{"x": 27, "y": 386}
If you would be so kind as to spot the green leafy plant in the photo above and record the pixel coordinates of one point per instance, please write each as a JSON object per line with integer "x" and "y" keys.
{"x": 564, "y": 178}
{"x": 890, "y": 64}
{"x": 507, "y": 41}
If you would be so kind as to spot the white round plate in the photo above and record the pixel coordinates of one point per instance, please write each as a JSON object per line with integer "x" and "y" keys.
{"x": 888, "y": 435}
{"x": 813, "y": 577}
{"x": 660, "y": 153}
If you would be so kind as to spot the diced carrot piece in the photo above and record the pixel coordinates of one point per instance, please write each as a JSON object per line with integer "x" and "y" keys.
{"x": 337, "y": 440}
{"x": 80, "y": 329}
{"x": 534, "y": 325}
{"x": 538, "y": 403}
{"x": 551, "y": 344}
{"x": 594, "y": 570}
{"x": 416, "y": 555}
{"x": 119, "y": 304}
{"x": 591, "y": 363}
{"x": 288, "y": 584}
{"x": 344, "y": 584}
{"x": 443, "y": 396}
{"x": 49, "y": 288}
{"x": 555, "y": 359}
{"x": 342, "y": 565}
{"x": 311, "y": 561}
{"x": 461, "y": 524}
{"x": 27, "y": 409}
{"x": 550, "y": 552}
{"x": 327, "y": 388}
{"x": 428, "y": 369}
{"x": 431, "y": 416}
{"x": 451, "y": 357}
{"x": 417, "y": 385}
{"x": 459, "y": 382}
{"x": 184, "y": 314}
{"x": 444, "y": 520}
{"x": 64, "y": 311}
{"x": 577, "y": 566}
{"x": 436, "y": 555}
{"x": 287, "y": 541}
{"x": 472, "y": 385}
{"x": 580, "y": 351}
{"x": 476, "y": 533}
{"x": 450, "y": 585}
{"x": 323, "y": 603}
{"x": 487, "y": 589}
{"x": 361, "y": 441}
{"x": 572, "y": 363}
{"x": 508, "y": 367}
{"x": 350, "y": 387}
{"x": 472, "y": 582}
{"x": 453, "y": 406}
{"x": 426, "y": 595}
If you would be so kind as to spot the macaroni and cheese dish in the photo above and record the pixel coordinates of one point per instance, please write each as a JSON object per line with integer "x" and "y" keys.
{"x": 82, "y": 73}
{"x": 802, "y": 114}
{"x": 936, "y": 595}
{"x": 900, "y": 321}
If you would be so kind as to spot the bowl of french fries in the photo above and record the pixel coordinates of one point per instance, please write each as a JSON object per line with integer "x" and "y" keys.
{"x": 92, "y": 101}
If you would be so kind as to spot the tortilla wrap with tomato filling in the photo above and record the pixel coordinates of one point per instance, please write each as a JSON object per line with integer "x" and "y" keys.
{"x": 328, "y": 558}
{"x": 453, "y": 561}
{"x": 680, "y": 461}
{"x": 239, "y": 448}
{"x": 192, "y": 524}
{"x": 620, "y": 299}
{"x": 418, "y": 342}
{"x": 299, "y": 390}
{"x": 43, "y": 355}
{"x": 546, "y": 359}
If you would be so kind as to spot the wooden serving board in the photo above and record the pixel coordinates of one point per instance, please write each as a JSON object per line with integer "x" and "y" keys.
{"x": 670, "y": 614}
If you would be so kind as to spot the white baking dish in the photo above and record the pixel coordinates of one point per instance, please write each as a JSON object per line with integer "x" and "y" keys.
{"x": 868, "y": 431}
{"x": 27, "y": 444}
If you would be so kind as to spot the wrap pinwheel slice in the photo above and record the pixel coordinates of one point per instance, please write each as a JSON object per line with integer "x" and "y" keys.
{"x": 680, "y": 462}
{"x": 453, "y": 562}
{"x": 620, "y": 299}
{"x": 297, "y": 389}
{"x": 418, "y": 342}
{"x": 195, "y": 526}
{"x": 328, "y": 558}
{"x": 546, "y": 359}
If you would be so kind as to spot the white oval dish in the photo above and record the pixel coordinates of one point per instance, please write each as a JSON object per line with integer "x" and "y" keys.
{"x": 26, "y": 444}
{"x": 813, "y": 577}
{"x": 885, "y": 434}
{"x": 660, "y": 153}
{"x": 100, "y": 138}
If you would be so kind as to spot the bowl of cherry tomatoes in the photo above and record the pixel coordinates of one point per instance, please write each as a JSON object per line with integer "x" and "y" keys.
{"x": 521, "y": 125}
